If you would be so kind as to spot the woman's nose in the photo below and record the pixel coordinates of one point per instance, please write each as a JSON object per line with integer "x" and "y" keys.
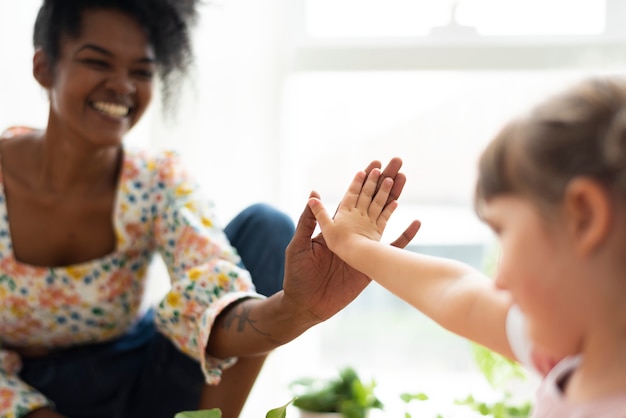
{"x": 122, "y": 84}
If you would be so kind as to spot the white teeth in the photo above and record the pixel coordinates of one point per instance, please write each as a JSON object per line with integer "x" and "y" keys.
{"x": 112, "y": 109}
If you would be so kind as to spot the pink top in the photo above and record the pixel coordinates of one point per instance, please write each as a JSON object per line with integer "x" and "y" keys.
{"x": 550, "y": 401}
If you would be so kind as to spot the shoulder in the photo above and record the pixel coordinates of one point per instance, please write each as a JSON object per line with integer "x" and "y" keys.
{"x": 16, "y": 134}
{"x": 164, "y": 170}
{"x": 19, "y": 145}
{"x": 16, "y": 131}
{"x": 162, "y": 162}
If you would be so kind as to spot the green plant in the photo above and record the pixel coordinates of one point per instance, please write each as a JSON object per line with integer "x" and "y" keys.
{"x": 499, "y": 373}
{"x": 346, "y": 394}
{"x": 503, "y": 408}
{"x": 207, "y": 413}
{"x": 498, "y": 370}
{"x": 407, "y": 398}
{"x": 280, "y": 412}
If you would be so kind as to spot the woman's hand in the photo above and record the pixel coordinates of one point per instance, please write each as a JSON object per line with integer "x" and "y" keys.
{"x": 316, "y": 279}
{"x": 317, "y": 285}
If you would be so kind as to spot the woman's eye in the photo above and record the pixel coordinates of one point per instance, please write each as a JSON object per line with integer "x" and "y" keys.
{"x": 144, "y": 74}
{"x": 96, "y": 63}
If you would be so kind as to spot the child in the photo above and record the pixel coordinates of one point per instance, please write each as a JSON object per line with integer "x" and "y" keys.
{"x": 552, "y": 186}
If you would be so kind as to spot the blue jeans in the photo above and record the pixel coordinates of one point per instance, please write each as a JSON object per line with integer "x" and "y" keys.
{"x": 142, "y": 374}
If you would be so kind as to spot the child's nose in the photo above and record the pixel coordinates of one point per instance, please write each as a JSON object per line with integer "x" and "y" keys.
{"x": 500, "y": 281}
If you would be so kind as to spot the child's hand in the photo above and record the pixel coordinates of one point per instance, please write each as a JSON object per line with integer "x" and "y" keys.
{"x": 362, "y": 214}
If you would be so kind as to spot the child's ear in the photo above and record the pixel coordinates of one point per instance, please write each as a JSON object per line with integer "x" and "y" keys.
{"x": 42, "y": 69}
{"x": 589, "y": 213}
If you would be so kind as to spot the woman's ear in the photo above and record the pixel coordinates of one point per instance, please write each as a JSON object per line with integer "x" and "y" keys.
{"x": 42, "y": 69}
{"x": 589, "y": 214}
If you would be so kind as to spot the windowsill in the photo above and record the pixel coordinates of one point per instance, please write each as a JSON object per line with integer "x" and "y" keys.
{"x": 479, "y": 53}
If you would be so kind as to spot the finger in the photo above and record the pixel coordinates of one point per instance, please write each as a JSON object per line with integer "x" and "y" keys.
{"x": 393, "y": 167}
{"x": 320, "y": 213}
{"x": 385, "y": 215}
{"x": 398, "y": 184}
{"x": 351, "y": 198}
{"x": 305, "y": 226}
{"x": 374, "y": 164}
{"x": 393, "y": 170}
{"x": 408, "y": 234}
{"x": 366, "y": 193}
{"x": 380, "y": 200}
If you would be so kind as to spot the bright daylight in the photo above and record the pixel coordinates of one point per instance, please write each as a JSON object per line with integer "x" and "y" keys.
{"x": 157, "y": 156}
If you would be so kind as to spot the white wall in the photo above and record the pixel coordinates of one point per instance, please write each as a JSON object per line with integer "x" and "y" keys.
{"x": 227, "y": 125}
{"x": 22, "y": 101}
{"x": 249, "y": 136}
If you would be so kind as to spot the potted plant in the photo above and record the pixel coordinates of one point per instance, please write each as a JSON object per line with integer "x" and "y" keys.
{"x": 344, "y": 396}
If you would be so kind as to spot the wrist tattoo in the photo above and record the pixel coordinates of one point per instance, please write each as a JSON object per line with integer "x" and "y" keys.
{"x": 240, "y": 314}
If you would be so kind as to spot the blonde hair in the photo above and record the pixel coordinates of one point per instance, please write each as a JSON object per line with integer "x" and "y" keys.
{"x": 580, "y": 132}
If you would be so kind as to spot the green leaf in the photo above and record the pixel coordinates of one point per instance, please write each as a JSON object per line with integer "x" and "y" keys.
{"x": 280, "y": 412}
{"x": 497, "y": 369}
{"x": 206, "y": 413}
{"x": 345, "y": 393}
{"x": 408, "y": 397}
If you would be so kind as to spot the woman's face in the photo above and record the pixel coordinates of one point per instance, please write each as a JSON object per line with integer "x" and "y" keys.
{"x": 538, "y": 268}
{"x": 102, "y": 82}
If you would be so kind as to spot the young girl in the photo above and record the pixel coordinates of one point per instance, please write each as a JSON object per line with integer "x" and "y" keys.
{"x": 552, "y": 185}
{"x": 81, "y": 217}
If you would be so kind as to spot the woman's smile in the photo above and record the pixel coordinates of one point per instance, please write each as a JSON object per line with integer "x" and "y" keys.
{"x": 102, "y": 82}
{"x": 113, "y": 110}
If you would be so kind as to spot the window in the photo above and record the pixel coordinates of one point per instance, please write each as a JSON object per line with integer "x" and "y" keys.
{"x": 438, "y": 122}
{"x": 371, "y": 80}
{"x": 289, "y": 99}
{"x": 410, "y": 18}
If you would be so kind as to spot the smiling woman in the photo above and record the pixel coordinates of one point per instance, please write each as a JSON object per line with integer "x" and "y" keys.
{"x": 264, "y": 92}
{"x": 165, "y": 31}
{"x": 100, "y": 83}
{"x": 83, "y": 215}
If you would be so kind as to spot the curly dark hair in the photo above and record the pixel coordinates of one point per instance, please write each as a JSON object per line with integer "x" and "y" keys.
{"x": 168, "y": 23}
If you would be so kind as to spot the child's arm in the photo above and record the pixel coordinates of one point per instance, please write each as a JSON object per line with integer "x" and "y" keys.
{"x": 455, "y": 295}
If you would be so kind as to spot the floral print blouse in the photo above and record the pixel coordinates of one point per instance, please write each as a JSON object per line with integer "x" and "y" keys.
{"x": 158, "y": 209}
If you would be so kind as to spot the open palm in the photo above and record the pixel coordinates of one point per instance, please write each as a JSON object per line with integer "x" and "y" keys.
{"x": 317, "y": 278}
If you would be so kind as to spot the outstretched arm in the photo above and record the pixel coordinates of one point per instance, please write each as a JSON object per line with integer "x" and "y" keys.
{"x": 317, "y": 285}
{"x": 453, "y": 294}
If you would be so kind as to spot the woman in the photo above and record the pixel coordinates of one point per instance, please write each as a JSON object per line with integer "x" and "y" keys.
{"x": 83, "y": 215}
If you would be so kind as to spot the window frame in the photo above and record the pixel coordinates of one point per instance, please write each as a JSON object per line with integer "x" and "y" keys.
{"x": 475, "y": 53}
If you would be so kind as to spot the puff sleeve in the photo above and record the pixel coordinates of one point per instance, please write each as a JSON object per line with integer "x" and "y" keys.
{"x": 16, "y": 397}
{"x": 205, "y": 270}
